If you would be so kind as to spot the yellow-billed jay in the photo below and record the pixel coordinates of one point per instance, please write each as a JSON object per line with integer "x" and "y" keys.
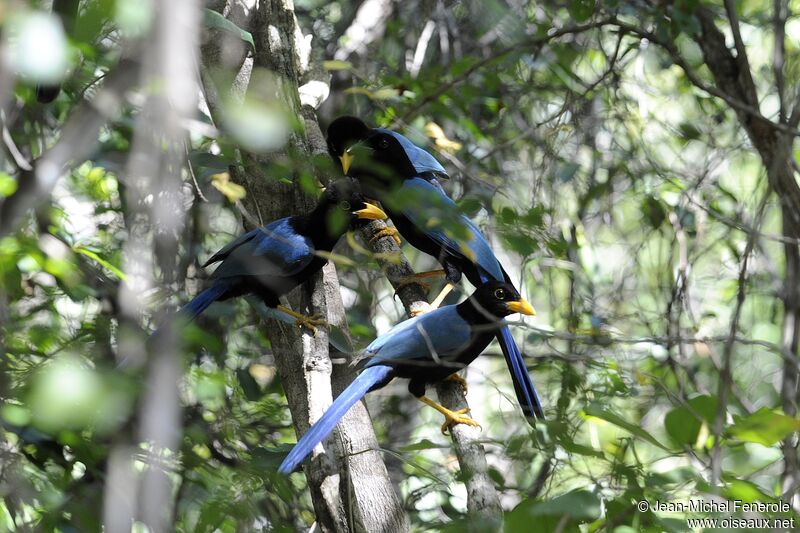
{"x": 404, "y": 178}
{"x": 272, "y": 260}
{"x": 424, "y": 349}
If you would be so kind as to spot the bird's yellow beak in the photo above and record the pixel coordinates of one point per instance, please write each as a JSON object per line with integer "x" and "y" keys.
{"x": 371, "y": 212}
{"x": 347, "y": 160}
{"x": 522, "y": 307}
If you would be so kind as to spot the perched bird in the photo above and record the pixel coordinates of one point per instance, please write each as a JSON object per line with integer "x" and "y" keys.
{"x": 272, "y": 260}
{"x": 425, "y": 349}
{"x": 405, "y": 179}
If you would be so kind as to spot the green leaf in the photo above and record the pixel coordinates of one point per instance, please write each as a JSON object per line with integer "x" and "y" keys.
{"x": 562, "y": 513}
{"x": 8, "y": 185}
{"x": 746, "y": 491}
{"x": 765, "y": 426}
{"x": 580, "y": 10}
{"x": 580, "y": 449}
{"x": 92, "y": 255}
{"x": 683, "y": 423}
{"x": 217, "y": 21}
{"x": 523, "y": 244}
{"x": 603, "y": 413}
{"x": 566, "y": 171}
{"x": 577, "y": 504}
{"x": 337, "y": 65}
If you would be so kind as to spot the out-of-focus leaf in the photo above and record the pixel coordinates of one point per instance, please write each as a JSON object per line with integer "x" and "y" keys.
{"x": 270, "y": 458}
{"x": 566, "y": 171}
{"x": 580, "y": 449}
{"x": 217, "y": 21}
{"x": 604, "y": 413}
{"x": 337, "y": 65}
{"x": 8, "y": 185}
{"x": 435, "y": 132}
{"x": 746, "y": 491}
{"x": 580, "y": 10}
{"x": 94, "y": 256}
{"x": 683, "y": 424}
{"x": 765, "y": 426}
{"x": 379, "y": 94}
{"x": 563, "y": 513}
{"x": 232, "y": 191}
{"x": 340, "y": 340}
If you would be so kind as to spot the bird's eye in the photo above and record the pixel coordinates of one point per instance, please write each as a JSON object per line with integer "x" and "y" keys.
{"x": 500, "y": 294}
{"x": 345, "y": 205}
{"x": 383, "y": 143}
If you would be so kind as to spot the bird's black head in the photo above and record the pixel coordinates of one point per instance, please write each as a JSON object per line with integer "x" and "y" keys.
{"x": 343, "y": 133}
{"x": 373, "y": 155}
{"x": 497, "y": 299}
{"x": 342, "y": 203}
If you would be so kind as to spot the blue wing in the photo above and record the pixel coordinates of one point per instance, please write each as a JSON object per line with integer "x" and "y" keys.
{"x": 422, "y": 160}
{"x": 432, "y": 203}
{"x": 276, "y": 249}
{"x": 442, "y": 331}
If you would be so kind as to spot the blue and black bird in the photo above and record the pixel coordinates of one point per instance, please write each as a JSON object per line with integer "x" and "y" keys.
{"x": 405, "y": 179}
{"x": 425, "y": 349}
{"x": 272, "y": 260}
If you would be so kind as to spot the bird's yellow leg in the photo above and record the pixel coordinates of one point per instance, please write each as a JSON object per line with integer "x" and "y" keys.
{"x": 458, "y": 379}
{"x": 451, "y": 418}
{"x": 442, "y": 295}
{"x": 388, "y": 231}
{"x": 311, "y": 322}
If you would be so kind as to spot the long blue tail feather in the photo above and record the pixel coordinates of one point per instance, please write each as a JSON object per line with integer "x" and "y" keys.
{"x": 323, "y": 427}
{"x": 191, "y": 310}
{"x": 523, "y": 386}
{"x": 201, "y": 302}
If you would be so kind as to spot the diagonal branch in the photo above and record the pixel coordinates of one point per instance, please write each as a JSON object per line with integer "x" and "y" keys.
{"x": 741, "y": 51}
